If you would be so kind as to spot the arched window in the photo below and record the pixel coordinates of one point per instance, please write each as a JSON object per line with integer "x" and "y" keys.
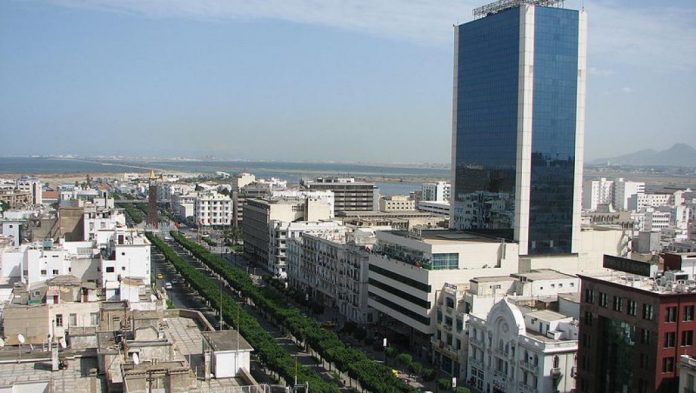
{"x": 556, "y": 361}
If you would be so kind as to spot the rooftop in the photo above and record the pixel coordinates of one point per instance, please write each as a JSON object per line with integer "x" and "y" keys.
{"x": 542, "y": 274}
{"x": 226, "y": 340}
{"x": 443, "y": 236}
{"x": 657, "y": 286}
{"x": 502, "y": 5}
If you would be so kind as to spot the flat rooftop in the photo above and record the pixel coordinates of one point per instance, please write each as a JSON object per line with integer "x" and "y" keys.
{"x": 444, "y": 236}
{"x": 73, "y": 379}
{"x": 226, "y": 340}
{"x": 492, "y": 279}
{"x": 542, "y": 274}
{"x": 647, "y": 284}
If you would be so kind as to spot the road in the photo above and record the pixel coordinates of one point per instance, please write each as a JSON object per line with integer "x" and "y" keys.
{"x": 184, "y": 297}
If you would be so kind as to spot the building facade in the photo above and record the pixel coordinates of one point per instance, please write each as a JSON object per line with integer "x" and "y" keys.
{"x": 349, "y": 195}
{"x": 436, "y": 192}
{"x": 213, "y": 209}
{"x": 518, "y": 124}
{"x": 516, "y": 349}
{"x": 633, "y": 331}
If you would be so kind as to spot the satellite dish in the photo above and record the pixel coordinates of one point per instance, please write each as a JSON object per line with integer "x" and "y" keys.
{"x": 136, "y": 358}
{"x": 20, "y": 338}
{"x": 2, "y": 343}
{"x": 63, "y": 344}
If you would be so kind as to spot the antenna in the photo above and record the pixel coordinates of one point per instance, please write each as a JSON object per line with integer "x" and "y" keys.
{"x": 136, "y": 358}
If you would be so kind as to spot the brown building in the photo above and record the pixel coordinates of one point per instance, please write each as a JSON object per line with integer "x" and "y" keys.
{"x": 633, "y": 331}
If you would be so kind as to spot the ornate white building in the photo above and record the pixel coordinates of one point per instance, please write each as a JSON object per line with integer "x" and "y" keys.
{"x": 517, "y": 349}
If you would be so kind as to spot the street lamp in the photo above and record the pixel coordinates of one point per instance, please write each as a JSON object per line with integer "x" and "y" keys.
{"x": 384, "y": 346}
{"x": 454, "y": 383}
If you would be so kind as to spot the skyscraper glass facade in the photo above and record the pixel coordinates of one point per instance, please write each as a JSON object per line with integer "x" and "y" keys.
{"x": 489, "y": 127}
{"x": 553, "y": 130}
{"x": 486, "y": 144}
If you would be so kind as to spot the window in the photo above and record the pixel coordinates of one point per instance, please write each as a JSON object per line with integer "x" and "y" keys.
{"x": 439, "y": 316}
{"x": 631, "y": 307}
{"x": 450, "y": 302}
{"x": 94, "y": 318}
{"x": 687, "y": 338}
{"x": 648, "y": 312}
{"x": 603, "y": 299}
{"x": 688, "y": 313}
{"x": 588, "y": 318}
{"x": 43, "y": 272}
{"x": 55, "y": 272}
{"x": 556, "y": 361}
{"x": 109, "y": 269}
{"x": 618, "y": 303}
{"x": 59, "y": 319}
{"x": 670, "y": 338}
{"x": 643, "y": 360}
{"x": 671, "y": 314}
{"x": 460, "y": 324}
{"x": 73, "y": 320}
{"x": 668, "y": 365}
{"x": 645, "y": 337}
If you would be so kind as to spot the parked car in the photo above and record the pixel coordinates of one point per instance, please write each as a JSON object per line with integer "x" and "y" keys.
{"x": 167, "y": 285}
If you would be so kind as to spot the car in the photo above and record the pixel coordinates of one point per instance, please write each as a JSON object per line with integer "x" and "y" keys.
{"x": 175, "y": 281}
{"x": 160, "y": 276}
{"x": 167, "y": 285}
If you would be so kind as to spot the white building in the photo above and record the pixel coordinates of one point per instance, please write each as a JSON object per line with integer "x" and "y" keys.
{"x": 639, "y": 201}
{"x": 282, "y": 231}
{"x": 650, "y": 219}
{"x": 687, "y": 374}
{"x": 332, "y": 269}
{"x": 323, "y": 196}
{"x": 242, "y": 179}
{"x": 101, "y": 219}
{"x": 597, "y": 192}
{"x": 127, "y": 256}
{"x": 43, "y": 261}
{"x": 443, "y": 208}
{"x": 396, "y": 203}
{"x": 457, "y": 301}
{"x": 230, "y": 353}
{"x": 436, "y": 192}
{"x": 407, "y": 269}
{"x": 213, "y": 209}
{"x": 183, "y": 205}
{"x": 31, "y": 185}
{"x": 517, "y": 349}
{"x": 623, "y": 190}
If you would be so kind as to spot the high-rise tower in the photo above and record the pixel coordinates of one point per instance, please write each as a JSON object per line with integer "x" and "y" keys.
{"x": 518, "y": 124}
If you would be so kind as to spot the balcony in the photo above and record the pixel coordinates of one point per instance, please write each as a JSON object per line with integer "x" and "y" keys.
{"x": 528, "y": 365}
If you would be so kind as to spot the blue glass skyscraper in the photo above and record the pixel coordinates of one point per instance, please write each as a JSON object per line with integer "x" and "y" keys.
{"x": 518, "y": 124}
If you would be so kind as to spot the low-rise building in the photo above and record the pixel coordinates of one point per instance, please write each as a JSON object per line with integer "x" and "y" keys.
{"x": 396, "y": 203}
{"x": 436, "y": 192}
{"x": 213, "y": 209}
{"x": 406, "y": 270}
{"x": 442, "y": 208}
{"x": 519, "y": 349}
{"x": 633, "y": 330}
{"x": 331, "y": 267}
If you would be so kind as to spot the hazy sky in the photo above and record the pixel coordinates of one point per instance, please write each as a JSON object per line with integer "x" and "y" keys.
{"x": 358, "y": 80}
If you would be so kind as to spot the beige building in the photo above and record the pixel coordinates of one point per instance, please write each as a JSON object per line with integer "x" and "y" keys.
{"x": 396, "y": 203}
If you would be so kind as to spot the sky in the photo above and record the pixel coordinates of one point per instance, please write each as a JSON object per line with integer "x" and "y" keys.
{"x": 306, "y": 80}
